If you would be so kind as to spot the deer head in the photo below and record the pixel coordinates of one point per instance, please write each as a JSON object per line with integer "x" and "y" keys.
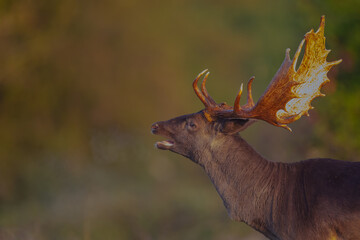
{"x": 190, "y": 135}
{"x": 286, "y": 99}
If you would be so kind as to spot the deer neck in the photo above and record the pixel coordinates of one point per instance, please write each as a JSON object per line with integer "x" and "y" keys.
{"x": 245, "y": 181}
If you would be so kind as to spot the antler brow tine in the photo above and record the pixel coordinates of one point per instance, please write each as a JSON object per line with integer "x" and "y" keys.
{"x": 209, "y": 99}
{"x": 196, "y": 88}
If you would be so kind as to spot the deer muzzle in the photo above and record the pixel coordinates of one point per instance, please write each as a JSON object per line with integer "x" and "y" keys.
{"x": 157, "y": 129}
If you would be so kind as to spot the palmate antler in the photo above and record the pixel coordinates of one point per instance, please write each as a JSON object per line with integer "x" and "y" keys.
{"x": 290, "y": 92}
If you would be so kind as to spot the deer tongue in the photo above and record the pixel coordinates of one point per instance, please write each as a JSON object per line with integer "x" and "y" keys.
{"x": 164, "y": 145}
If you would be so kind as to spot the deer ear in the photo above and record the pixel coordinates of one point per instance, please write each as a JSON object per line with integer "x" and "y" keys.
{"x": 232, "y": 126}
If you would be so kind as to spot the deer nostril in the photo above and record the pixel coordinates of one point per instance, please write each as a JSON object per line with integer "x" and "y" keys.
{"x": 154, "y": 127}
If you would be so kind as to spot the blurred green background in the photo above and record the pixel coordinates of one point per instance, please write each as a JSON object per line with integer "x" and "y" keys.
{"x": 81, "y": 82}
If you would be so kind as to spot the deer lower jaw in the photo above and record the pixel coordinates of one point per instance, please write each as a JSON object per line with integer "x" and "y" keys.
{"x": 164, "y": 145}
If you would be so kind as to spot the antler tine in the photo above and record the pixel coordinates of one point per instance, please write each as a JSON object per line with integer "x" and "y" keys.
{"x": 197, "y": 90}
{"x": 250, "y": 101}
{"x": 237, "y": 107}
{"x": 209, "y": 99}
{"x": 322, "y": 25}
{"x": 297, "y": 54}
{"x": 333, "y": 63}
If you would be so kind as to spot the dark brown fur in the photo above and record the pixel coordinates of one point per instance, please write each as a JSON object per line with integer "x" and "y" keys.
{"x": 313, "y": 199}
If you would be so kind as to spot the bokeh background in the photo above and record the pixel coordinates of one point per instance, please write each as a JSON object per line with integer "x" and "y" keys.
{"x": 81, "y": 82}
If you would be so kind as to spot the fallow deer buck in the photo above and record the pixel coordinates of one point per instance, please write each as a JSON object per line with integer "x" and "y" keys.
{"x": 312, "y": 199}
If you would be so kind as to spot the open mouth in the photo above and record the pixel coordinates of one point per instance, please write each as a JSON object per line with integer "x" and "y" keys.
{"x": 164, "y": 145}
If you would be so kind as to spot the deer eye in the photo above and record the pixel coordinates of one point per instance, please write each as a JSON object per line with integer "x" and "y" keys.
{"x": 192, "y": 126}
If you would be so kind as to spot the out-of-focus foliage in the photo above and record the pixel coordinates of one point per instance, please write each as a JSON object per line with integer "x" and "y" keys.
{"x": 82, "y": 81}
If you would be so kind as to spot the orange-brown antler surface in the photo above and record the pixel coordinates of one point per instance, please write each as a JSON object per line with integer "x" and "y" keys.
{"x": 290, "y": 92}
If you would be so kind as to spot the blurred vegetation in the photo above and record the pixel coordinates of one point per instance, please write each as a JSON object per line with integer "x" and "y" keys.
{"x": 82, "y": 81}
{"x": 340, "y": 113}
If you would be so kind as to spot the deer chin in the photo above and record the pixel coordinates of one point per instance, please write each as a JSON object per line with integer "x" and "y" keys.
{"x": 165, "y": 145}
